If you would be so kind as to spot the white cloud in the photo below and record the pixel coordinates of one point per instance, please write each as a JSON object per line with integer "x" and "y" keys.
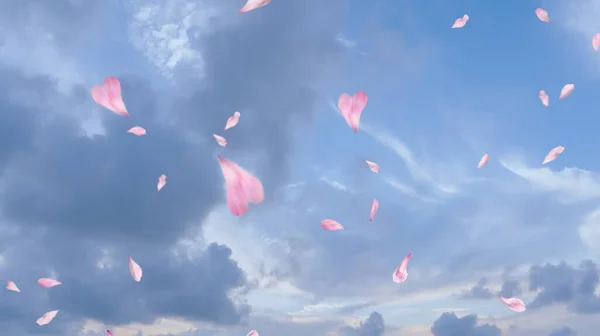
{"x": 336, "y": 185}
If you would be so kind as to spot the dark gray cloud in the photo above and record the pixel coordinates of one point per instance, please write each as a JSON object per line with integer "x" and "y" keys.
{"x": 564, "y": 331}
{"x": 478, "y": 292}
{"x": 448, "y": 324}
{"x": 372, "y": 326}
{"x": 510, "y": 288}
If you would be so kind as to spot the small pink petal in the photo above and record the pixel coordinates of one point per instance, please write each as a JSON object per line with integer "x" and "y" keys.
{"x": 596, "y": 42}
{"x": 331, "y": 225}
{"x": 10, "y": 285}
{"x": 135, "y": 270}
{"x": 374, "y": 209}
{"x": 254, "y": 4}
{"x": 109, "y": 333}
{"x": 220, "y": 140}
{"x": 460, "y": 22}
{"x": 542, "y": 15}
{"x": 373, "y": 166}
{"x": 544, "y": 98}
{"x": 252, "y": 333}
{"x": 514, "y": 304}
{"x": 241, "y": 187}
{"x": 233, "y": 120}
{"x": 553, "y": 154}
{"x": 401, "y": 273}
{"x": 47, "y": 318}
{"x": 566, "y": 91}
{"x": 352, "y": 107}
{"x": 162, "y": 182}
{"x": 484, "y": 160}
{"x": 48, "y": 283}
{"x": 109, "y": 96}
{"x": 137, "y": 130}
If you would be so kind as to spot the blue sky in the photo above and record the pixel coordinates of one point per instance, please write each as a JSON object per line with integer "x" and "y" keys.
{"x": 77, "y": 193}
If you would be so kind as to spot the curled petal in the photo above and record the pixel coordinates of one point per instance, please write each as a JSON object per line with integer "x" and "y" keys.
{"x": 401, "y": 273}
{"x": 331, "y": 225}
{"x": 109, "y": 96}
{"x": 352, "y": 107}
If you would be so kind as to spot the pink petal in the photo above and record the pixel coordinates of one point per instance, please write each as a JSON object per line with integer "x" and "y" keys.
{"x": 109, "y": 96}
{"x": 48, "y": 283}
{"x": 12, "y": 286}
{"x": 47, "y": 317}
{"x": 135, "y": 270}
{"x": 137, "y": 130}
{"x": 566, "y": 91}
{"x": 220, "y": 140}
{"x": 514, "y": 304}
{"x": 162, "y": 181}
{"x": 542, "y": 15}
{"x": 254, "y": 4}
{"x": 252, "y": 333}
{"x": 109, "y": 333}
{"x": 373, "y": 166}
{"x": 484, "y": 160}
{"x": 374, "y": 209}
{"x": 596, "y": 42}
{"x": 544, "y": 98}
{"x": 401, "y": 273}
{"x": 241, "y": 187}
{"x": 233, "y": 120}
{"x": 331, "y": 225}
{"x": 553, "y": 154}
{"x": 352, "y": 108}
{"x": 460, "y": 22}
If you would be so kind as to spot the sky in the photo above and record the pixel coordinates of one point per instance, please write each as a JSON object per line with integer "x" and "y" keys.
{"x": 78, "y": 193}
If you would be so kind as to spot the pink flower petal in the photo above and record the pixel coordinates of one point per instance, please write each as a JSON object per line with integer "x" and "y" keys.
{"x": 241, "y": 187}
{"x": 553, "y": 154}
{"x": 352, "y": 107}
{"x": 544, "y": 98}
{"x": 48, "y": 283}
{"x": 135, "y": 270}
{"x": 331, "y": 225}
{"x": 374, "y": 209}
{"x": 373, "y": 166}
{"x": 109, "y": 333}
{"x": 220, "y": 140}
{"x": 162, "y": 182}
{"x": 12, "y": 286}
{"x": 233, "y": 120}
{"x": 460, "y": 22}
{"x": 596, "y": 42}
{"x": 109, "y": 96}
{"x": 401, "y": 273}
{"x": 254, "y": 4}
{"x": 566, "y": 91}
{"x": 137, "y": 130}
{"x": 252, "y": 333}
{"x": 514, "y": 304}
{"x": 47, "y": 318}
{"x": 542, "y": 15}
{"x": 484, "y": 160}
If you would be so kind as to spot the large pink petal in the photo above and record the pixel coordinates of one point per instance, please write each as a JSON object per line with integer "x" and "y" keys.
{"x": 566, "y": 91}
{"x": 331, "y": 225}
{"x": 241, "y": 187}
{"x": 352, "y": 107}
{"x": 460, "y": 22}
{"x": 596, "y": 42}
{"x": 374, "y": 209}
{"x": 252, "y": 333}
{"x": 48, "y": 283}
{"x": 233, "y": 120}
{"x": 553, "y": 154}
{"x": 544, "y": 98}
{"x": 109, "y": 333}
{"x": 162, "y": 182}
{"x": 401, "y": 273}
{"x": 135, "y": 270}
{"x": 254, "y": 4}
{"x": 373, "y": 166}
{"x": 542, "y": 15}
{"x": 514, "y": 304}
{"x": 47, "y": 317}
{"x": 220, "y": 140}
{"x": 11, "y": 286}
{"x": 137, "y": 130}
{"x": 109, "y": 96}
{"x": 484, "y": 160}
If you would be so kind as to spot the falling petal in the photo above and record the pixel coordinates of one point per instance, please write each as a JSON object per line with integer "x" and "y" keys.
{"x": 514, "y": 304}
{"x": 48, "y": 283}
{"x": 374, "y": 208}
{"x": 460, "y": 22}
{"x": 137, "y": 130}
{"x": 109, "y": 333}
{"x": 162, "y": 181}
{"x": 109, "y": 96}
{"x": 401, "y": 273}
{"x": 241, "y": 187}
{"x": 254, "y": 4}
{"x": 352, "y": 107}
{"x": 220, "y": 140}
{"x": 566, "y": 91}
{"x": 233, "y": 120}
{"x": 47, "y": 318}
{"x": 373, "y": 166}
{"x": 331, "y": 225}
{"x": 596, "y": 42}
{"x": 252, "y": 333}
{"x": 484, "y": 160}
{"x": 12, "y": 286}
{"x": 135, "y": 270}
{"x": 542, "y": 15}
{"x": 544, "y": 98}
{"x": 553, "y": 154}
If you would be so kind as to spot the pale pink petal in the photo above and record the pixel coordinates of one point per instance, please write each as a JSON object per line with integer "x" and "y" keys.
{"x": 544, "y": 98}
{"x": 373, "y": 166}
{"x": 542, "y": 15}
{"x": 596, "y": 42}
{"x": 374, "y": 209}
{"x": 553, "y": 154}
{"x": 252, "y": 333}
{"x": 460, "y": 22}
{"x": 162, "y": 182}
{"x": 220, "y": 140}
{"x": 352, "y": 107}
{"x": 566, "y": 91}
{"x": 109, "y": 96}
{"x": 137, "y": 130}
{"x": 135, "y": 270}
{"x": 10, "y": 285}
{"x": 254, "y": 4}
{"x": 514, "y": 304}
{"x": 47, "y": 318}
{"x": 48, "y": 283}
{"x": 401, "y": 273}
{"x": 232, "y": 121}
{"x": 109, "y": 333}
{"x": 484, "y": 160}
{"x": 241, "y": 187}
{"x": 331, "y": 225}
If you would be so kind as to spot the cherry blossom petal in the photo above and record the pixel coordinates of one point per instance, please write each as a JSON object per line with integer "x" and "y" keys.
{"x": 254, "y": 4}
{"x": 48, "y": 283}
{"x": 401, "y": 273}
{"x": 241, "y": 187}
{"x": 331, "y": 225}
{"x": 460, "y": 22}
{"x": 484, "y": 160}
{"x": 162, "y": 182}
{"x": 135, "y": 270}
{"x": 566, "y": 91}
{"x": 137, "y": 130}
{"x": 373, "y": 166}
{"x": 542, "y": 15}
{"x": 47, "y": 317}
{"x": 553, "y": 154}
{"x": 374, "y": 209}
{"x": 252, "y": 333}
{"x": 233, "y": 120}
{"x": 11, "y": 286}
{"x": 596, "y": 42}
{"x": 352, "y": 107}
{"x": 109, "y": 96}
{"x": 544, "y": 98}
{"x": 220, "y": 140}
{"x": 514, "y": 304}
{"x": 109, "y": 333}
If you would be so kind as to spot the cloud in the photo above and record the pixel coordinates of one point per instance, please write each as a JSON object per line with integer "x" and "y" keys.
{"x": 448, "y": 324}
{"x": 510, "y": 288}
{"x": 564, "y": 331}
{"x": 478, "y": 292}
{"x": 372, "y": 326}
